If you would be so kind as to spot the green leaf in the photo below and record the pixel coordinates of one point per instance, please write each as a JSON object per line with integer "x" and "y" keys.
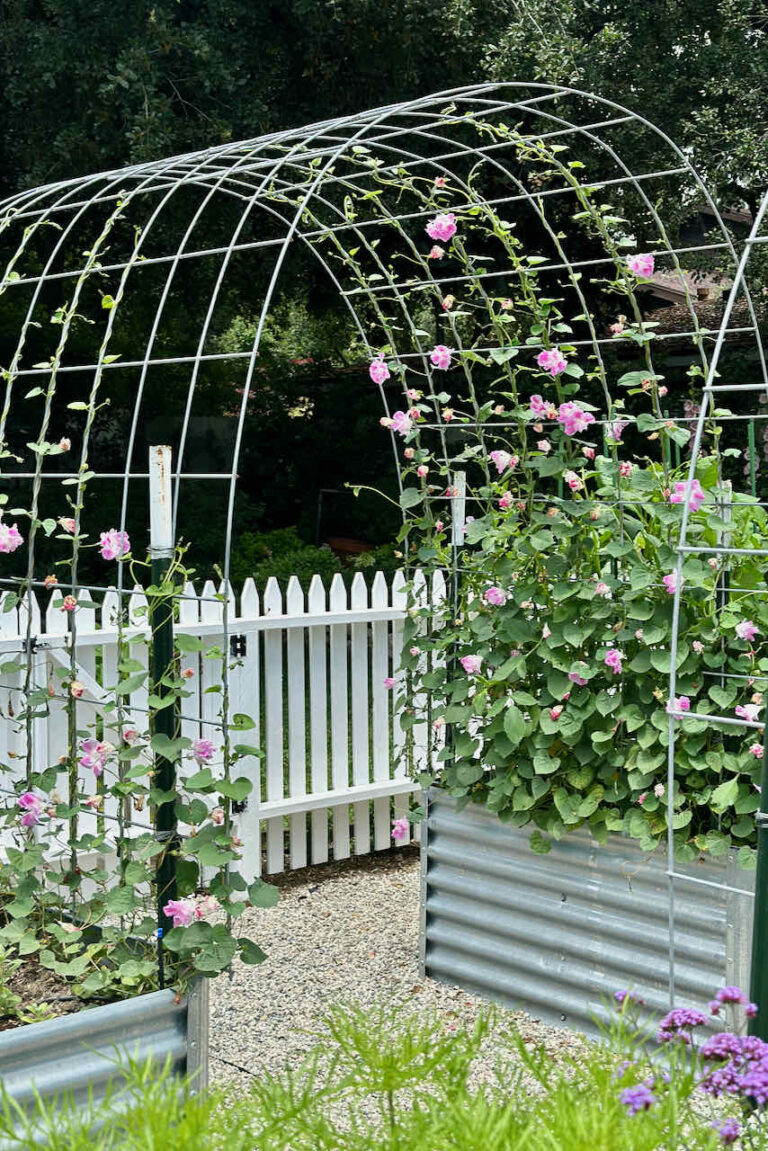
{"x": 261, "y": 894}
{"x": 201, "y": 781}
{"x": 250, "y": 952}
{"x": 242, "y": 722}
{"x": 725, "y": 795}
{"x": 236, "y": 789}
{"x": 410, "y": 497}
{"x": 187, "y": 643}
{"x": 218, "y": 952}
{"x": 121, "y": 900}
{"x": 169, "y": 748}
{"x": 539, "y": 844}
{"x": 514, "y": 724}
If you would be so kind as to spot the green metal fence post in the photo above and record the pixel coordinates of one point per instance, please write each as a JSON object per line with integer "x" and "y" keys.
{"x": 758, "y": 983}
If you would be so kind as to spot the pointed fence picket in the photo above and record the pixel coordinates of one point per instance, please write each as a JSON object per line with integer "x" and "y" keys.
{"x": 330, "y": 764}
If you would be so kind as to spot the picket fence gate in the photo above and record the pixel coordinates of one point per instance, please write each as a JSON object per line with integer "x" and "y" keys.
{"x": 310, "y": 671}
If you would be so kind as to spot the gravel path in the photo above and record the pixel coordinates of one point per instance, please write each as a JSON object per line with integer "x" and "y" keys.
{"x": 346, "y": 931}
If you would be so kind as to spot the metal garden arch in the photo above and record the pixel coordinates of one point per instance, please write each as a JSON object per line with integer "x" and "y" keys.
{"x": 91, "y": 249}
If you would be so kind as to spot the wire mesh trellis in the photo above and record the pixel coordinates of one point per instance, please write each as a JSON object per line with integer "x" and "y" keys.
{"x": 118, "y": 289}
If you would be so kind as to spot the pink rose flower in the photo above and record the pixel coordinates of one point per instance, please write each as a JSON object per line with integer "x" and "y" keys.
{"x": 401, "y": 830}
{"x": 639, "y": 633}
{"x": 695, "y": 499}
{"x": 378, "y": 370}
{"x": 10, "y": 538}
{"x": 114, "y": 544}
{"x": 415, "y": 650}
{"x": 613, "y": 660}
{"x": 495, "y": 596}
{"x": 31, "y": 805}
{"x": 471, "y": 664}
{"x": 76, "y": 689}
{"x": 746, "y": 630}
{"x": 69, "y": 603}
{"x": 441, "y": 357}
{"x": 552, "y": 360}
{"x": 641, "y": 265}
{"x": 401, "y": 423}
{"x": 442, "y": 227}
{"x": 409, "y": 453}
{"x": 203, "y": 751}
{"x": 573, "y": 418}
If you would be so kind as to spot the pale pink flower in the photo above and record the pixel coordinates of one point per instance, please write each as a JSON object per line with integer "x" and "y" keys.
{"x": 409, "y": 453}
{"x": 414, "y": 413}
{"x": 681, "y": 495}
{"x": 217, "y": 815}
{"x": 206, "y": 905}
{"x": 69, "y": 603}
{"x": 617, "y": 328}
{"x": 746, "y": 630}
{"x": 401, "y": 423}
{"x": 415, "y": 651}
{"x": 31, "y": 805}
{"x": 506, "y": 501}
{"x": 182, "y": 911}
{"x": 642, "y": 797}
{"x": 130, "y": 734}
{"x": 625, "y": 468}
{"x": 422, "y": 471}
{"x": 448, "y": 303}
{"x": 114, "y": 544}
{"x": 503, "y": 460}
{"x": 639, "y": 633}
{"x": 507, "y": 305}
{"x": 552, "y": 360}
{"x": 589, "y": 453}
{"x": 573, "y": 481}
{"x": 713, "y": 562}
{"x": 378, "y": 371}
{"x": 441, "y": 181}
{"x": 556, "y": 711}
{"x": 544, "y": 446}
{"x": 187, "y": 673}
{"x": 537, "y": 405}
{"x": 641, "y": 265}
{"x": 67, "y": 524}
{"x": 413, "y": 394}
{"x": 400, "y": 829}
{"x": 471, "y": 664}
{"x": 613, "y": 660}
{"x": 64, "y": 444}
{"x": 614, "y": 430}
{"x": 757, "y": 750}
{"x": 573, "y": 418}
{"x": 10, "y": 538}
{"x": 697, "y": 646}
{"x": 203, "y": 751}
{"x": 438, "y": 723}
{"x": 439, "y": 525}
{"x": 748, "y": 711}
{"x": 658, "y": 790}
{"x": 76, "y": 689}
{"x": 670, "y": 582}
{"x": 94, "y": 802}
{"x": 545, "y": 632}
{"x": 601, "y": 588}
{"x": 442, "y": 227}
{"x": 94, "y": 755}
{"x": 579, "y": 680}
{"x": 663, "y": 390}
{"x": 447, "y": 414}
{"x": 389, "y": 682}
{"x": 680, "y": 703}
{"x": 441, "y": 357}
{"x": 495, "y": 596}
{"x": 436, "y": 252}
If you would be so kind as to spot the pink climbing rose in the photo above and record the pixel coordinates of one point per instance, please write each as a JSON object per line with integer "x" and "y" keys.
{"x": 114, "y": 544}
{"x": 680, "y": 703}
{"x": 641, "y": 265}
{"x": 504, "y": 460}
{"x": 748, "y": 711}
{"x": 10, "y": 538}
{"x": 695, "y": 498}
{"x": 613, "y": 658}
{"x": 495, "y": 596}
{"x": 441, "y": 357}
{"x": 573, "y": 418}
{"x": 552, "y": 360}
{"x": 203, "y": 751}
{"x": 746, "y": 630}
{"x": 442, "y": 227}
{"x": 400, "y": 829}
{"x": 401, "y": 423}
{"x": 471, "y": 664}
{"x": 31, "y": 805}
{"x": 378, "y": 370}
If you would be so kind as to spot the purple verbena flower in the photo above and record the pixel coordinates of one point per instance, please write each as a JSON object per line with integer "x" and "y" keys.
{"x": 638, "y": 1098}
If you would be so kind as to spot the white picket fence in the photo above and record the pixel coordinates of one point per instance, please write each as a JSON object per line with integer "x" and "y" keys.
{"x": 310, "y": 672}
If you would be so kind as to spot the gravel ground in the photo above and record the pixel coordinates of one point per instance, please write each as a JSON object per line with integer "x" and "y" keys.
{"x": 346, "y": 931}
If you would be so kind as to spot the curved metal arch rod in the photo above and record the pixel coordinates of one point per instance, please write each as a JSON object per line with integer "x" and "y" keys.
{"x": 167, "y": 361}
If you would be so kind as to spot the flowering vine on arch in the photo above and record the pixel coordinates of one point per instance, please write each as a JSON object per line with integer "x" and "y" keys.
{"x": 548, "y": 668}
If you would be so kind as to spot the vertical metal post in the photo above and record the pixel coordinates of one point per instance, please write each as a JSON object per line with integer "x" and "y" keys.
{"x": 758, "y": 982}
{"x": 164, "y": 718}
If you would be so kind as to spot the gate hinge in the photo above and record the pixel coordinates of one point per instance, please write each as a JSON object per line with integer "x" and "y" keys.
{"x": 238, "y": 646}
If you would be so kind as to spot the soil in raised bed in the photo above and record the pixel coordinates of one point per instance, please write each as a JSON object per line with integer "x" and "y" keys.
{"x": 37, "y": 985}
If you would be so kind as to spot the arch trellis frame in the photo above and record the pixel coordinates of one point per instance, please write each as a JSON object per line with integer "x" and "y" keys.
{"x": 293, "y": 182}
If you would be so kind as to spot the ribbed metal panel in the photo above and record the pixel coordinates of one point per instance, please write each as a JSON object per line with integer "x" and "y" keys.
{"x": 557, "y": 934}
{"x": 75, "y": 1054}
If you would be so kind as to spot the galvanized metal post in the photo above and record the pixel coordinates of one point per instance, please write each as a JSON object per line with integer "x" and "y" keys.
{"x": 758, "y": 983}
{"x": 164, "y": 720}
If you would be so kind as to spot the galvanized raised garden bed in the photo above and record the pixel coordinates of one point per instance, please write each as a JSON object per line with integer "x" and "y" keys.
{"x": 75, "y": 1054}
{"x": 557, "y": 934}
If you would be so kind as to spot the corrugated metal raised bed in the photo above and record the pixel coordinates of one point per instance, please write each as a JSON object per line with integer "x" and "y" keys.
{"x": 75, "y": 1054}
{"x": 557, "y": 934}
